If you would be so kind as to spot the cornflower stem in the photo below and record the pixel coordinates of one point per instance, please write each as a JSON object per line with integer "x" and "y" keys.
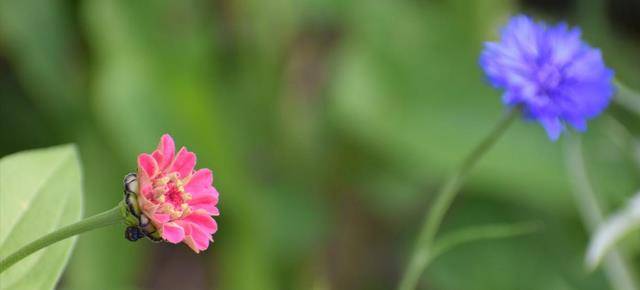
{"x": 423, "y": 249}
{"x": 100, "y": 220}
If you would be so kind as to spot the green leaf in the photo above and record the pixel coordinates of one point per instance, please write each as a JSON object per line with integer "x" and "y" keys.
{"x": 483, "y": 232}
{"x": 612, "y": 231}
{"x": 40, "y": 191}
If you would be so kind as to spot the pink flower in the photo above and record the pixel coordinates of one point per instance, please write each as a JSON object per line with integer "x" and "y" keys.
{"x": 179, "y": 200}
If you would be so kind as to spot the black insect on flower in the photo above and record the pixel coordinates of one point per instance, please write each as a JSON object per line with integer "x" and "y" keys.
{"x": 133, "y": 233}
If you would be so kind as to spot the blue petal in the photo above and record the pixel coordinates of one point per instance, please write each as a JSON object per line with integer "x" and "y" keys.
{"x": 553, "y": 126}
{"x": 578, "y": 123}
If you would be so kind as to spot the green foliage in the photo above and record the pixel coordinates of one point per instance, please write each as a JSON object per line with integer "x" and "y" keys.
{"x": 628, "y": 99}
{"x": 40, "y": 191}
{"x": 484, "y": 232}
{"x": 423, "y": 92}
{"x": 327, "y": 124}
{"x": 604, "y": 169}
{"x": 617, "y": 226}
{"x": 625, "y": 221}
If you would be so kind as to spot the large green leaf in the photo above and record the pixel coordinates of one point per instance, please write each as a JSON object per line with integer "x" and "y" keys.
{"x": 40, "y": 191}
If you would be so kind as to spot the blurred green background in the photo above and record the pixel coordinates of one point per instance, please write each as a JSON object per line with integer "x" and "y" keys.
{"x": 328, "y": 125}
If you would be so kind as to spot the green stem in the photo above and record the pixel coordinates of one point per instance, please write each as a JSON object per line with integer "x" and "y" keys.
{"x": 103, "y": 219}
{"x": 422, "y": 252}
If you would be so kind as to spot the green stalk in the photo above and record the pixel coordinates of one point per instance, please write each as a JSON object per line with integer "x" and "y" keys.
{"x": 422, "y": 253}
{"x": 103, "y": 219}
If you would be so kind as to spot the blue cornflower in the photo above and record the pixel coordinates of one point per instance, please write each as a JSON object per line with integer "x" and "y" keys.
{"x": 550, "y": 72}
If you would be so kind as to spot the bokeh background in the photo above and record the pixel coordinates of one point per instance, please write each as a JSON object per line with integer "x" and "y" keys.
{"x": 328, "y": 124}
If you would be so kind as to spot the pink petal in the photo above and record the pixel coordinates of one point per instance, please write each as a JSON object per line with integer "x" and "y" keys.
{"x": 172, "y": 232}
{"x": 202, "y": 222}
{"x": 200, "y": 238}
{"x": 147, "y": 165}
{"x": 145, "y": 187}
{"x": 214, "y": 193}
{"x": 184, "y": 162}
{"x": 188, "y": 239}
{"x": 200, "y": 180}
{"x": 158, "y": 157}
{"x": 191, "y": 243}
{"x": 208, "y": 191}
{"x": 207, "y": 203}
{"x": 165, "y": 152}
{"x": 161, "y": 218}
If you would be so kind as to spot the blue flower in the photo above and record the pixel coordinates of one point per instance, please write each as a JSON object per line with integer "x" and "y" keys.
{"x": 550, "y": 72}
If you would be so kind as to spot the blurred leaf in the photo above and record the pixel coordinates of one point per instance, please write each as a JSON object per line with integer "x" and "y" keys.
{"x": 628, "y": 98}
{"x": 40, "y": 191}
{"x": 586, "y": 193}
{"x": 550, "y": 259}
{"x": 614, "y": 229}
{"x": 39, "y": 39}
{"x": 484, "y": 232}
{"x": 609, "y": 160}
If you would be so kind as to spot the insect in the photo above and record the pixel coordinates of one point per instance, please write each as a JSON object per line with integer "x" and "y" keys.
{"x": 139, "y": 225}
{"x": 133, "y": 233}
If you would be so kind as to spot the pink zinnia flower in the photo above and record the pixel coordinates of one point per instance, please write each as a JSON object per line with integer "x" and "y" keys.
{"x": 179, "y": 200}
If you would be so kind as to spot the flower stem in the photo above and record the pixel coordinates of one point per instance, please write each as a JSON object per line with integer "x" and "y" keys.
{"x": 422, "y": 252}
{"x": 103, "y": 219}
